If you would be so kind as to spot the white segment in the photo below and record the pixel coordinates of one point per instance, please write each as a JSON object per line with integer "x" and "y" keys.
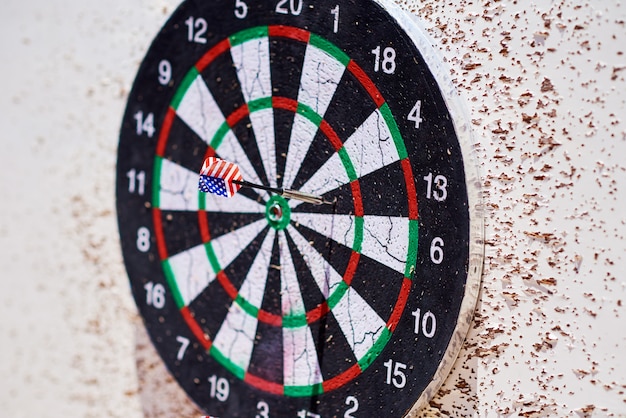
{"x": 192, "y": 272}
{"x": 385, "y": 238}
{"x": 263, "y": 126}
{"x": 302, "y": 134}
{"x": 370, "y": 148}
{"x": 359, "y": 323}
{"x": 179, "y": 187}
{"x": 235, "y": 339}
{"x": 321, "y": 73}
{"x": 230, "y": 150}
{"x": 253, "y": 287}
{"x": 325, "y": 276}
{"x": 252, "y": 61}
{"x": 291, "y": 299}
{"x": 199, "y": 110}
{"x": 300, "y": 363}
{"x": 192, "y": 269}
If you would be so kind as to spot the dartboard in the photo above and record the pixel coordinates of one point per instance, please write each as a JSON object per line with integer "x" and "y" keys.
{"x": 266, "y": 306}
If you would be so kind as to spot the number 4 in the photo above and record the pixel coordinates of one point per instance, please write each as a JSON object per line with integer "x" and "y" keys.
{"x": 415, "y": 114}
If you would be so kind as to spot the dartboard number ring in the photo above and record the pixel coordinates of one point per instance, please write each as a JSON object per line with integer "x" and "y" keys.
{"x": 261, "y": 305}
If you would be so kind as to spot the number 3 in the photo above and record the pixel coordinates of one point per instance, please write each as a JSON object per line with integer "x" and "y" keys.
{"x": 264, "y": 410}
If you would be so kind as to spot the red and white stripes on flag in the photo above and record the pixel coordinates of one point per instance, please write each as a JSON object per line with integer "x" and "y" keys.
{"x": 217, "y": 177}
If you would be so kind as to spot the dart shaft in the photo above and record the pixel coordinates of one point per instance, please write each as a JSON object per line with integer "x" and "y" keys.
{"x": 258, "y": 186}
{"x": 305, "y": 197}
{"x": 286, "y": 193}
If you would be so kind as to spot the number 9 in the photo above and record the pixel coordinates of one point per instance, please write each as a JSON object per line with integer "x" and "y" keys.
{"x": 165, "y": 72}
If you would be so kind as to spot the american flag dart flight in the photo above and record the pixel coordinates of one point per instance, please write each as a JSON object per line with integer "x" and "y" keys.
{"x": 219, "y": 177}
{"x": 339, "y": 276}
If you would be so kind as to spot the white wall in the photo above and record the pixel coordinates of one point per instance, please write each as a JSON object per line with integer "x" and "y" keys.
{"x": 545, "y": 84}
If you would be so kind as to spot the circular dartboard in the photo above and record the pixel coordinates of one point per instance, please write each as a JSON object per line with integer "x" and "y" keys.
{"x": 265, "y": 306}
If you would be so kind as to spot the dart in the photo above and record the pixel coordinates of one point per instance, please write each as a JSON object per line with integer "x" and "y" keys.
{"x": 224, "y": 178}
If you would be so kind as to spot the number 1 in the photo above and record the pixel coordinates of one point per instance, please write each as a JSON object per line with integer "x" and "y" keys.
{"x": 335, "y": 12}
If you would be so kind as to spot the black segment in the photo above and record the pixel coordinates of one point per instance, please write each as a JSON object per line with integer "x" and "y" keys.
{"x": 319, "y": 152}
{"x": 224, "y": 85}
{"x": 237, "y": 271}
{"x": 283, "y": 121}
{"x": 336, "y": 254}
{"x": 350, "y": 107}
{"x": 221, "y": 223}
{"x": 286, "y": 58}
{"x": 181, "y": 230}
{"x": 272, "y": 297}
{"x": 264, "y": 362}
{"x": 188, "y": 150}
{"x": 382, "y": 192}
{"x": 311, "y": 293}
{"x": 379, "y": 284}
{"x": 333, "y": 351}
{"x": 211, "y": 308}
{"x": 245, "y": 134}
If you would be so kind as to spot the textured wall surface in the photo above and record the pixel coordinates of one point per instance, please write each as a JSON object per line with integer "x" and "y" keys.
{"x": 544, "y": 84}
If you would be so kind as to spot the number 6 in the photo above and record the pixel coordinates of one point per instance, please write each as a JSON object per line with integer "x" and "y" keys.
{"x": 436, "y": 250}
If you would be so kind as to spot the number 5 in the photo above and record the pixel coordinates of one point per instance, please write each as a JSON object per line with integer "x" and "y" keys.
{"x": 241, "y": 9}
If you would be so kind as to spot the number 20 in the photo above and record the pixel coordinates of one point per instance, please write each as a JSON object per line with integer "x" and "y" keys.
{"x": 295, "y": 7}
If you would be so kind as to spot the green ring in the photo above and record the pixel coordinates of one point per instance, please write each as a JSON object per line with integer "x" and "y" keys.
{"x": 279, "y": 202}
